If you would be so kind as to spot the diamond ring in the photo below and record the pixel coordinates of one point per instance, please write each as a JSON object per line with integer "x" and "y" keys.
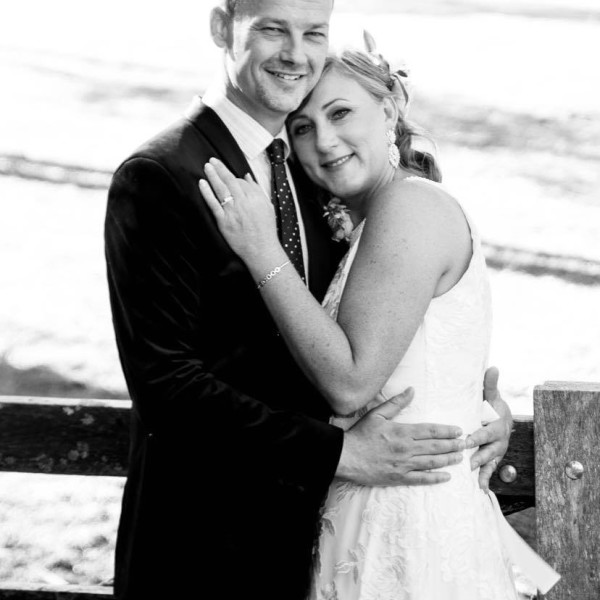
{"x": 226, "y": 200}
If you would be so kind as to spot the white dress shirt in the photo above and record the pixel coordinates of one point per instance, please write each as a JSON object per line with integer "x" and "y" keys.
{"x": 253, "y": 139}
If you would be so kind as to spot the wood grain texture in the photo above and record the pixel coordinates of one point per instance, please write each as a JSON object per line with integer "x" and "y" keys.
{"x": 64, "y": 436}
{"x": 44, "y": 592}
{"x": 567, "y": 427}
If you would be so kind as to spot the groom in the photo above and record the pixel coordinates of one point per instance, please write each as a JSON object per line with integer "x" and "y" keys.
{"x": 231, "y": 454}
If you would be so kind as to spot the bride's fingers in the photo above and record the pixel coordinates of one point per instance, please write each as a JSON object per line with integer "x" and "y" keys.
{"x": 485, "y": 474}
{"x": 220, "y": 189}
{"x": 229, "y": 180}
{"x": 253, "y": 194}
{"x": 251, "y": 187}
{"x": 211, "y": 199}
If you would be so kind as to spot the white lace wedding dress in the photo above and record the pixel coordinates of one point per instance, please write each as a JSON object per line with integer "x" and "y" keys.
{"x": 440, "y": 542}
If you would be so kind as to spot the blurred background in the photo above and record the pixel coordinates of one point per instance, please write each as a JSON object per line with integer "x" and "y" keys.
{"x": 510, "y": 92}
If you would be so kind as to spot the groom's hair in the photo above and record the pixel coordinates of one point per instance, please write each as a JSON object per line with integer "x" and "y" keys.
{"x": 233, "y": 6}
{"x": 230, "y": 6}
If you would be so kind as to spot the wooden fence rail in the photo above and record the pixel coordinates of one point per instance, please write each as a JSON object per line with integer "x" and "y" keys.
{"x": 553, "y": 463}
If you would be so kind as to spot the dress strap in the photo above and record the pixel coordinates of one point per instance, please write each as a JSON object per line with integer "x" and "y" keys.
{"x": 331, "y": 302}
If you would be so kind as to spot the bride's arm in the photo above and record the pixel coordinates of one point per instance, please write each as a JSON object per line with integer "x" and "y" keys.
{"x": 405, "y": 250}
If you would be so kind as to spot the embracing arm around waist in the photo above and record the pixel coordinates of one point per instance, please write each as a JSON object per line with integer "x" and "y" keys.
{"x": 415, "y": 246}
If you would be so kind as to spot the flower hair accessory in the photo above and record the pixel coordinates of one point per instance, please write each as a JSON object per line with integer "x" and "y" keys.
{"x": 338, "y": 219}
{"x": 398, "y": 79}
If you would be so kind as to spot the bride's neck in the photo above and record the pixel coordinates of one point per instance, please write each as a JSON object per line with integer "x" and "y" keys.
{"x": 358, "y": 206}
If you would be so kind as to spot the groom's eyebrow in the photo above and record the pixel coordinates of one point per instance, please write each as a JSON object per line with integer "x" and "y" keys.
{"x": 285, "y": 23}
{"x": 312, "y": 26}
{"x": 306, "y": 25}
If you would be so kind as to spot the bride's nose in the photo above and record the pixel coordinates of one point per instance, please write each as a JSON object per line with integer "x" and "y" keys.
{"x": 326, "y": 138}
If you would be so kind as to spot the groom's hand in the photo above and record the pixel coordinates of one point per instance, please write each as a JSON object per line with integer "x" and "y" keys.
{"x": 492, "y": 438}
{"x": 379, "y": 452}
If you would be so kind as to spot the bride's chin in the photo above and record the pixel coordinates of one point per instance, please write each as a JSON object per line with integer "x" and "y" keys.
{"x": 339, "y": 191}
{"x": 335, "y": 186}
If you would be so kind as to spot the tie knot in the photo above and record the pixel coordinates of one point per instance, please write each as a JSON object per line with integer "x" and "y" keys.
{"x": 275, "y": 150}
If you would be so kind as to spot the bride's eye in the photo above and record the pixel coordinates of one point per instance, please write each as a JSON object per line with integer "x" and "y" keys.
{"x": 339, "y": 113}
{"x": 301, "y": 129}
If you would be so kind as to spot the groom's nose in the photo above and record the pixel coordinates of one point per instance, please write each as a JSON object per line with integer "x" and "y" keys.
{"x": 293, "y": 50}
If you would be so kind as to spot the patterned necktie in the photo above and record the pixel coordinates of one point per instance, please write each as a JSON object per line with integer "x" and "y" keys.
{"x": 285, "y": 209}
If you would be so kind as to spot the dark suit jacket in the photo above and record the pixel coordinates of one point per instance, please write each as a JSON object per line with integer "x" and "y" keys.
{"x": 231, "y": 455}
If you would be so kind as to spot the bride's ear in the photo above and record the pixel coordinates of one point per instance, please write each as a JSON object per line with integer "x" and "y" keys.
{"x": 391, "y": 111}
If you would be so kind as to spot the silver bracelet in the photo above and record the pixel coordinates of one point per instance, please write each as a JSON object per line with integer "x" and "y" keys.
{"x": 270, "y": 275}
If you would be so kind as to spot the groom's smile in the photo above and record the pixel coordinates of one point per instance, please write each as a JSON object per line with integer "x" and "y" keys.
{"x": 274, "y": 56}
{"x": 285, "y": 76}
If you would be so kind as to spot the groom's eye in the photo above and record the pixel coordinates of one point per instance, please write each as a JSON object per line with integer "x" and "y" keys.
{"x": 272, "y": 30}
{"x": 317, "y": 35}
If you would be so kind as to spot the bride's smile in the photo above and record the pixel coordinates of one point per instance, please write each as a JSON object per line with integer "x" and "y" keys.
{"x": 338, "y": 162}
{"x": 339, "y": 136}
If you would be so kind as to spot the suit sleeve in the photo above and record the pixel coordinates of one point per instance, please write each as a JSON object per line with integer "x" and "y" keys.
{"x": 158, "y": 304}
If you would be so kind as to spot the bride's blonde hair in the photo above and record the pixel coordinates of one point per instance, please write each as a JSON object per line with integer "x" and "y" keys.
{"x": 378, "y": 80}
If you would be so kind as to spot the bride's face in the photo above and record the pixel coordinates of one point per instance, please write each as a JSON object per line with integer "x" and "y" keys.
{"x": 339, "y": 137}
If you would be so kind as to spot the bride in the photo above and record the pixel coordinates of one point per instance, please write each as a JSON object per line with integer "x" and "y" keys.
{"x": 409, "y": 306}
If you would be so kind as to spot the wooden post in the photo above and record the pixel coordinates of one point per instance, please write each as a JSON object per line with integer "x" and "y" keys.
{"x": 567, "y": 485}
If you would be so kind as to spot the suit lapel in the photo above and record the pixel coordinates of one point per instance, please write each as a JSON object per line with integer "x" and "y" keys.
{"x": 207, "y": 122}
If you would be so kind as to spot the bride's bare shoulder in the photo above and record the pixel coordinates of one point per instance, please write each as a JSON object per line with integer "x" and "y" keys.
{"x": 412, "y": 187}
{"x": 416, "y": 196}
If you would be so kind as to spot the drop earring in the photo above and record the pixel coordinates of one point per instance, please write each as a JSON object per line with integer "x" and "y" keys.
{"x": 393, "y": 152}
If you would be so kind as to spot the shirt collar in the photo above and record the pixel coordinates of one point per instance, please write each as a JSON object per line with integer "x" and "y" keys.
{"x": 250, "y": 135}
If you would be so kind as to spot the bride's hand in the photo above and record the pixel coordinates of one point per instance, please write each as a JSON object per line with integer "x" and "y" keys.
{"x": 244, "y": 214}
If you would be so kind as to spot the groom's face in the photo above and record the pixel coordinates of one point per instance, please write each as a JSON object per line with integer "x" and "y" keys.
{"x": 275, "y": 52}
